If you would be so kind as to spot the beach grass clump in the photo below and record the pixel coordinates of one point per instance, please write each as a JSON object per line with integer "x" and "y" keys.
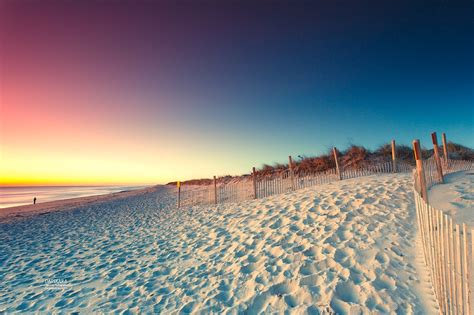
{"x": 315, "y": 164}
{"x": 460, "y": 152}
{"x": 355, "y": 157}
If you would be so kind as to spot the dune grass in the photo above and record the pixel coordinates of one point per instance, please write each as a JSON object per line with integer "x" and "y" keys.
{"x": 354, "y": 157}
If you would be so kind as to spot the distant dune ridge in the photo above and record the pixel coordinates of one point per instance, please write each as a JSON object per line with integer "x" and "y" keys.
{"x": 354, "y": 157}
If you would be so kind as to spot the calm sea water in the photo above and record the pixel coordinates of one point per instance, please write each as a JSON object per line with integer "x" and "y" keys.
{"x": 17, "y": 196}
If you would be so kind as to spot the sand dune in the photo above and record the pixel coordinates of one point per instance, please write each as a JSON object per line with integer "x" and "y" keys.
{"x": 348, "y": 246}
{"x": 455, "y": 197}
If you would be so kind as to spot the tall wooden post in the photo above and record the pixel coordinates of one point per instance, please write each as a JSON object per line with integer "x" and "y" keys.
{"x": 336, "y": 159}
{"x": 290, "y": 164}
{"x": 445, "y": 149}
{"x": 394, "y": 157}
{"x": 254, "y": 178}
{"x": 419, "y": 169}
{"x": 178, "y": 183}
{"x": 434, "y": 138}
{"x": 215, "y": 190}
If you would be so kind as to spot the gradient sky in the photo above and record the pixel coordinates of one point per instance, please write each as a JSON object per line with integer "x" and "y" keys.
{"x": 149, "y": 92}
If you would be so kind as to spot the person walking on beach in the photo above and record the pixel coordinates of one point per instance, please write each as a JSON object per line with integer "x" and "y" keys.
{"x": 34, "y": 200}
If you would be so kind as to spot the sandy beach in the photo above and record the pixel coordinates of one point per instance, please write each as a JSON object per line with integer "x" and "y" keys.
{"x": 19, "y": 212}
{"x": 296, "y": 149}
{"x": 349, "y": 246}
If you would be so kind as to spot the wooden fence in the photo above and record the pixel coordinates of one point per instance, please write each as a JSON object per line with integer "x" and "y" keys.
{"x": 448, "y": 252}
{"x": 249, "y": 187}
{"x": 448, "y": 247}
{"x": 431, "y": 172}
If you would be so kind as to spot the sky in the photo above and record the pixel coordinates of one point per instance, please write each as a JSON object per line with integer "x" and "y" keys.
{"x": 146, "y": 92}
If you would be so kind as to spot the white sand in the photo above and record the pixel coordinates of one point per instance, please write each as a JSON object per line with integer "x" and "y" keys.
{"x": 349, "y": 246}
{"x": 455, "y": 197}
{"x": 25, "y": 211}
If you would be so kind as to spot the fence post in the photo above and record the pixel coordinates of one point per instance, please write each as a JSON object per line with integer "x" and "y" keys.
{"x": 178, "y": 183}
{"x": 336, "y": 159}
{"x": 445, "y": 149}
{"x": 254, "y": 178}
{"x": 394, "y": 157}
{"x": 290, "y": 164}
{"x": 434, "y": 138}
{"x": 419, "y": 169}
{"x": 215, "y": 190}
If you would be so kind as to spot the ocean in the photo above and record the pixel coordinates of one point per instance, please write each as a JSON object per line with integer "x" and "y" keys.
{"x": 11, "y": 196}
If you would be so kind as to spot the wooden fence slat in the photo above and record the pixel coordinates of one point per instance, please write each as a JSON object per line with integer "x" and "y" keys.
{"x": 466, "y": 275}
{"x": 423, "y": 228}
{"x": 453, "y": 266}
{"x": 431, "y": 249}
{"x": 439, "y": 273}
{"x": 444, "y": 279}
{"x": 434, "y": 252}
{"x": 448, "y": 260}
{"x": 458, "y": 270}
{"x": 254, "y": 181}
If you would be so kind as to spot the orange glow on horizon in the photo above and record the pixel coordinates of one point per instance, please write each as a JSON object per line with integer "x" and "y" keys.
{"x": 90, "y": 141}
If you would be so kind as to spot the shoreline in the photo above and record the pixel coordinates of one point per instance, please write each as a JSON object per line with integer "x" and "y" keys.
{"x": 26, "y": 211}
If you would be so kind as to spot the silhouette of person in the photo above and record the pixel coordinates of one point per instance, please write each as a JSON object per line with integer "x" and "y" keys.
{"x": 34, "y": 200}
